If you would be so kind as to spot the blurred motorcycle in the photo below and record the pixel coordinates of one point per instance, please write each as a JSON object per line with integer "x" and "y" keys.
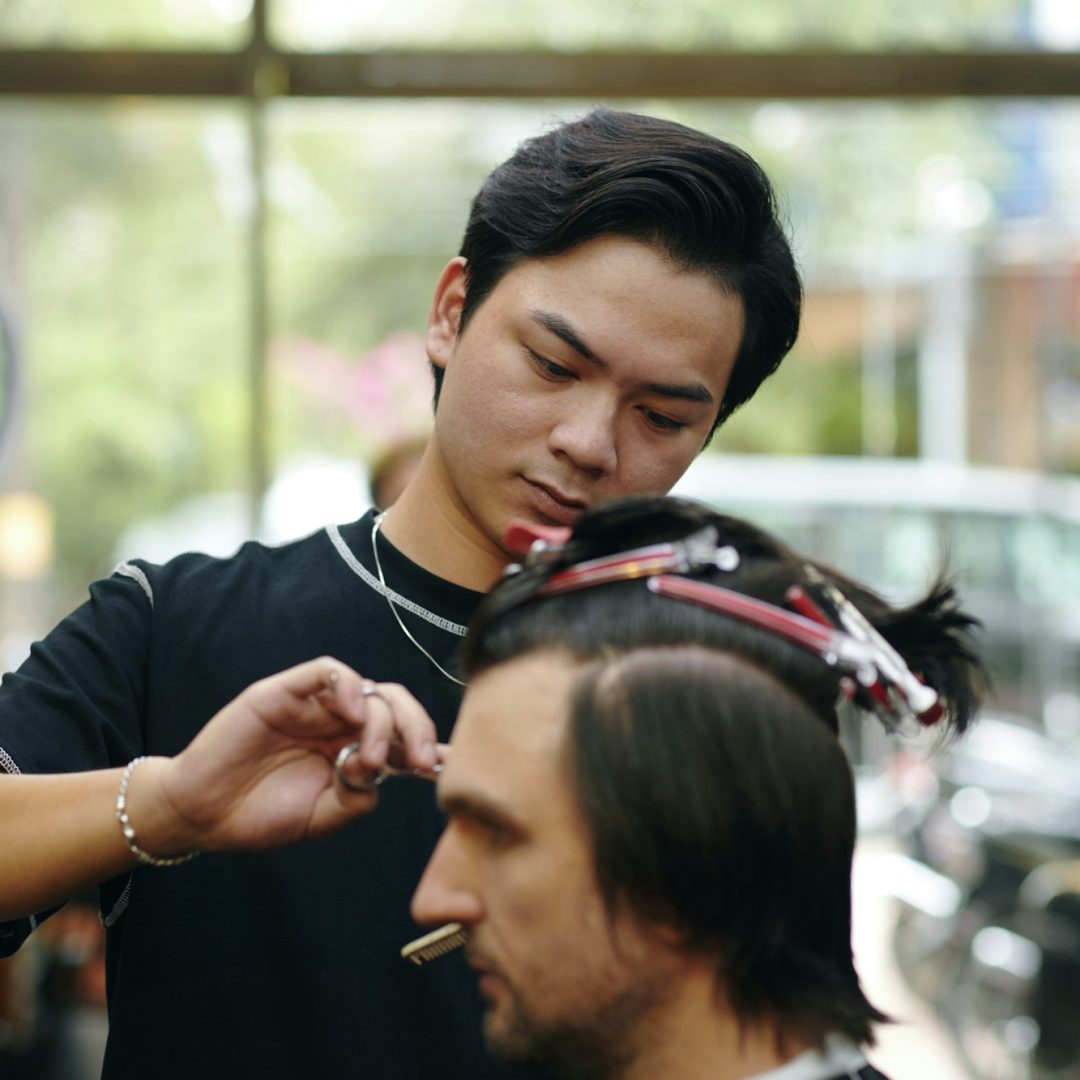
{"x": 988, "y": 897}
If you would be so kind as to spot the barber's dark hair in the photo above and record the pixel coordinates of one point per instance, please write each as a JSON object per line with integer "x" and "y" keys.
{"x": 705, "y": 754}
{"x": 707, "y": 204}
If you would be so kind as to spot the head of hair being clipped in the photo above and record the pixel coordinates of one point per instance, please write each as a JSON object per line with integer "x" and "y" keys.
{"x": 916, "y": 661}
{"x": 702, "y": 737}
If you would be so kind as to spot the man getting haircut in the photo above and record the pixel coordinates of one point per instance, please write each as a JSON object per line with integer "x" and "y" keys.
{"x": 651, "y": 819}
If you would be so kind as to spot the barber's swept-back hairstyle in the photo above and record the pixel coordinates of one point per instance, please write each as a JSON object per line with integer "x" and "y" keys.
{"x": 705, "y": 203}
{"x": 705, "y": 756}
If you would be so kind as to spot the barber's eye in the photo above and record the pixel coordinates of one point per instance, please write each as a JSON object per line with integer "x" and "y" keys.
{"x": 662, "y": 422}
{"x": 548, "y": 368}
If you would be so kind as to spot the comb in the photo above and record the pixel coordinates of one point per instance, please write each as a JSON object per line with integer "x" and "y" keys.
{"x": 438, "y": 943}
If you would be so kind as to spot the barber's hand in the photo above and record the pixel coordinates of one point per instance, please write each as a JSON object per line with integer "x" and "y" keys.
{"x": 261, "y": 773}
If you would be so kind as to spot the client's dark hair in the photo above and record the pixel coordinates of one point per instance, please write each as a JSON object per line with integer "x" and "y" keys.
{"x": 705, "y": 753}
{"x": 705, "y": 203}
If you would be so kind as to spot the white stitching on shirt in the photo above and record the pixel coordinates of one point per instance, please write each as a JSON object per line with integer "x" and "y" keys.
{"x": 119, "y": 907}
{"x": 7, "y": 763}
{"x": 373, "y": 582}
{"x": 130, "y": 570}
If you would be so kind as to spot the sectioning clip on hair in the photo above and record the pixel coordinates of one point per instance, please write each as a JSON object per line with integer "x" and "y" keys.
{"x": 893, "y": 685}
{"x": 909, "y": 667}
{"x": 848, "y": 644}
{"x": 696, "y": 552}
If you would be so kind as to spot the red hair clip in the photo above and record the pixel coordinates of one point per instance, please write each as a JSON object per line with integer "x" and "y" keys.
{"x": 848, "y": 641}
{"x": 696, "y": 552}
{"x": 856, "y": 646}
{"x": 921, "y": 700}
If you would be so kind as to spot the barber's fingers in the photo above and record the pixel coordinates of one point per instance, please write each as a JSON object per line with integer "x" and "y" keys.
{"x": 355, "y": 776}
{"x": 324, "y": 699}
{"x": 397, "y": 730}
{"x": 309, "y": 693}
{"x": 391, "y": 721}
{"x": 351, "y": 772}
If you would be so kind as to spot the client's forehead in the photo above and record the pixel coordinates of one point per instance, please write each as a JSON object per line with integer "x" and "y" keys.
{"x": 508, "y": 743}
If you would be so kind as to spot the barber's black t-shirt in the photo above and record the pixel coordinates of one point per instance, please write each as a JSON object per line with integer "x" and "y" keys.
{"x": 281, "y": 964}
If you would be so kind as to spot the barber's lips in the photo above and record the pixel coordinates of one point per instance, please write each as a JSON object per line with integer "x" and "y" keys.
{"x": 553, "y": 505}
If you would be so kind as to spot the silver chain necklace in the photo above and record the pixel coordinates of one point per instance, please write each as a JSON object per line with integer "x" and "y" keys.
{"x": 393, "y": 609}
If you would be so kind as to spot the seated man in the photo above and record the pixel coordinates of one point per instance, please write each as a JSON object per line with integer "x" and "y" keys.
{"x": 651, "y": 819}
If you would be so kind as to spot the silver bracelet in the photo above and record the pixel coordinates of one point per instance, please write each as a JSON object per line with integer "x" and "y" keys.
{"x": 129, "y": 830}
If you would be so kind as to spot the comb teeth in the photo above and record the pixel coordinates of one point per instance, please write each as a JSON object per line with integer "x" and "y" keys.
{"x": 438, "y": 943}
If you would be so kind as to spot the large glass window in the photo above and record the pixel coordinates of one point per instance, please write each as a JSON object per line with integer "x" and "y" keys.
{"x": 143, "y": 23}
{"x": 659, "y": 24}
{"x": 940, "y": 243}
{"x": 151, "y": 247}
{"x": 911, "y": 222}
{"x": 123, "y": 277}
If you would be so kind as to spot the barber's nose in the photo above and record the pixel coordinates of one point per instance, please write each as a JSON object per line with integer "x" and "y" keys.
{"x": 446, "y": 893}
{"x": 586, "y": 433}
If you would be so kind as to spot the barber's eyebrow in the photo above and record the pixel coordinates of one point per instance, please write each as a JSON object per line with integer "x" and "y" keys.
{"x": 561, "y": 328}
{"x": 696, "y": 392}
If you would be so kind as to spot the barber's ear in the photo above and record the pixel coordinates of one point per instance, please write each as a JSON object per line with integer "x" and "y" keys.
{"x": 445, "y": 315}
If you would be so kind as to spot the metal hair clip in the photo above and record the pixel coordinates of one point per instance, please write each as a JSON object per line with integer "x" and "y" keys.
{"x": 801, "y": 601}
{"x": 539, "y": 544}
{"x": 856, "y": 647}
{"x": 847, "y": 642}
{"x": 920, "y": 699}
{"x": 696, "y": 552}
{"x": 830, "y": 644}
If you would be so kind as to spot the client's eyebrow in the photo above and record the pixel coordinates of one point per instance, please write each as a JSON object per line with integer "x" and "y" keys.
{"x": 564, "y": 330}
{"x": 478, "y": 808}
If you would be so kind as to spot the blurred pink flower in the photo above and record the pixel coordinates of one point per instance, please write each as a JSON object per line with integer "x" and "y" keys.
{"x": 385, "y": 393}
